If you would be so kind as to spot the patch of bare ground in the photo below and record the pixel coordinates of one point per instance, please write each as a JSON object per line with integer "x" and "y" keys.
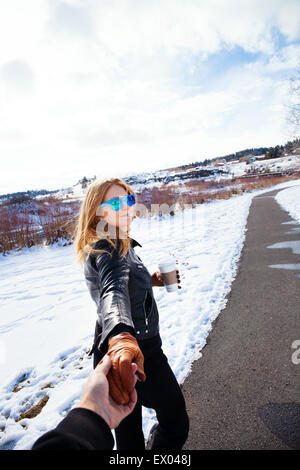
{"x": 34, "y": 410}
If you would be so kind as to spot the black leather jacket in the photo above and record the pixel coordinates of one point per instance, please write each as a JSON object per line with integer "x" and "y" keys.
{"x": 122, "y": 291}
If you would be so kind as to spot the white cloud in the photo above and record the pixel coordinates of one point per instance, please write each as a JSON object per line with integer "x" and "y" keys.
{"x": 70, "y": 18}
{"x": 21, "y": 28}
{"x": 83, "y": 83}
{"x": 141, "y": 27}
{"x": 17, "y": 76}
{"x": 285, "y": 59}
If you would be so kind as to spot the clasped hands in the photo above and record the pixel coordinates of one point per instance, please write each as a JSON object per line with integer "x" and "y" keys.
{"x": 110, "y": 389}
{"x": 123, "y": 350}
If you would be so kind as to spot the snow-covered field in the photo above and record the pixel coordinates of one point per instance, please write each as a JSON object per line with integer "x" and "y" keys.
{"x": 289, "y": 200}
{"x": 272, "y": 165}
{"x": 47, "y": 317}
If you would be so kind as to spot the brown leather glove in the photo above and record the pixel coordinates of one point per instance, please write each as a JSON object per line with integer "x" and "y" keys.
{"x": 123, "y": 349}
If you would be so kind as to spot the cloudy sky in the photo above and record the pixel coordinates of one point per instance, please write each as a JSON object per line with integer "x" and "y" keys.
{"x": 115, "y": 87}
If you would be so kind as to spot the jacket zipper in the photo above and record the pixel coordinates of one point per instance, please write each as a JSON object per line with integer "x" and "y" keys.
{"x": 146, "y": 318}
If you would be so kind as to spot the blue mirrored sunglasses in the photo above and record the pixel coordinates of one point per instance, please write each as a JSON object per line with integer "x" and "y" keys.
{"x": 117, "y": 202}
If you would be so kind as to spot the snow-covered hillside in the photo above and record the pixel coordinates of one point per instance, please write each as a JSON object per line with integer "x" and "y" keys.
{"x": 179, "y": 176}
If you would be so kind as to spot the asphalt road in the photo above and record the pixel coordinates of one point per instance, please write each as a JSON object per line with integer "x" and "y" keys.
{"x": 244, "y": 392}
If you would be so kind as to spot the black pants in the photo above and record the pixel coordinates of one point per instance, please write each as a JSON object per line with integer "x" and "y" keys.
{"x": 161, "y": 392}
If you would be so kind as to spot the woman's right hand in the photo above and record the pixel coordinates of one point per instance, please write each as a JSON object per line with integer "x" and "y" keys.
{"x": 157, "y": 279}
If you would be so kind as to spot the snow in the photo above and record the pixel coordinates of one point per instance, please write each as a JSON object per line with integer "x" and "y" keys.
{"x": 47, "y": 317}
{"x": 289, "y": 200}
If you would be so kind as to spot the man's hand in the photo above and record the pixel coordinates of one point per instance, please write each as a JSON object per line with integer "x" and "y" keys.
{"x": 157, "y": 279}
{"x": 96, "y": 396}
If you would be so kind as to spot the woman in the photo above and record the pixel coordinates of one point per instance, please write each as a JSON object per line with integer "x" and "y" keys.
{"x": 127, "y": 326}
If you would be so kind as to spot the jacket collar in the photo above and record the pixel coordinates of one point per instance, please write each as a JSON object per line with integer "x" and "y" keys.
{"x": 134, "y": 243}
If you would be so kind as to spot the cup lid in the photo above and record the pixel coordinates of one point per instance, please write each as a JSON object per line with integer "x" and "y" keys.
{"x": 166, "y": 261}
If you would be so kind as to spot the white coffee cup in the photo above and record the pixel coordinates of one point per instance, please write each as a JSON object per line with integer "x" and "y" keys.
{"x": 167, "y": 267}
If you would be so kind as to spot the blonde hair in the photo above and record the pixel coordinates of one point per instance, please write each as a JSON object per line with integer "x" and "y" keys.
{"x": 85, "y": 234}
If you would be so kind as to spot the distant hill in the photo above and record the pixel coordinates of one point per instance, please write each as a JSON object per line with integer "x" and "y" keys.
{"x": 198, "y": 169}
{"x": 277, "y": 151}
{"x": 26, "y": 194}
